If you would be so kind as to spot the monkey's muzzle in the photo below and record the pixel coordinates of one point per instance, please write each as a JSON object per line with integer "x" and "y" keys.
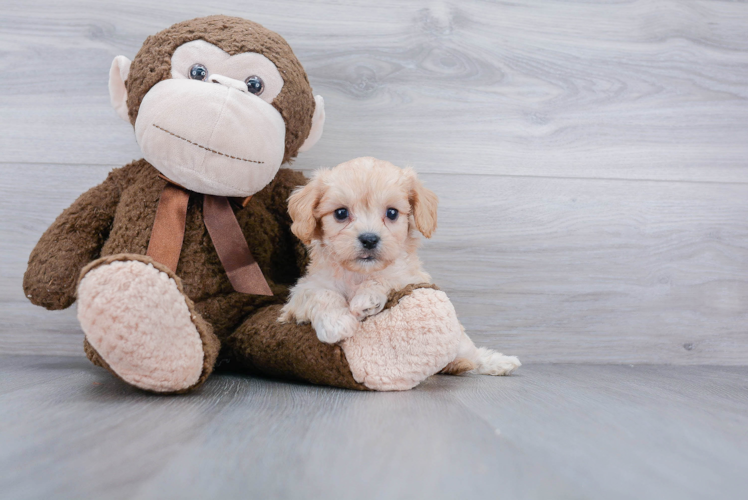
{"x": 211, "y": 139}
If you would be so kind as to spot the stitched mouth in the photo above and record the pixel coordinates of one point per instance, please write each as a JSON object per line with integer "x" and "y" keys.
{"x": 206, "y": 148}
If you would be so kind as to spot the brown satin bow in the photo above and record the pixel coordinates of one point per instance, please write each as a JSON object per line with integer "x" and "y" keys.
{"x": 167, "y": 237}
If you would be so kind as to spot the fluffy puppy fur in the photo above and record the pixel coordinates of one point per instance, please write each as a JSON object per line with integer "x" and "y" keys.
{"x": 360, "y": 222}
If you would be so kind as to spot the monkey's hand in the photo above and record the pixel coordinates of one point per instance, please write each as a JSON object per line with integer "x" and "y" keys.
{"x": 71, "y": 242}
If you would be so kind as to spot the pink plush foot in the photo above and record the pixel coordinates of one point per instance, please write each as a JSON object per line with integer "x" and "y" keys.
{"x": 400, "y": 347}
{"x": 138, "y": 321}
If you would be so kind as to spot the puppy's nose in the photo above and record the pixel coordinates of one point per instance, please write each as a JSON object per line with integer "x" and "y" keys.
{"x": 368, "y": 240}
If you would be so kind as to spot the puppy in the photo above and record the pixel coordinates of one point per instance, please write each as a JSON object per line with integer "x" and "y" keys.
{"x": 359, "y": 222}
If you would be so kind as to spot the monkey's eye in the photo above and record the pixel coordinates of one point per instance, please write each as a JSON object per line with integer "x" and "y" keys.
{"x": 255, "y": 85}
{"x": 198, "y": 72}
{"x": 392, "y": 213}
{"x": 340, "y": 214}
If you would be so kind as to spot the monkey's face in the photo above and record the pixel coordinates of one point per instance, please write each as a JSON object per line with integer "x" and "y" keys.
{"x": 211, "y": 125}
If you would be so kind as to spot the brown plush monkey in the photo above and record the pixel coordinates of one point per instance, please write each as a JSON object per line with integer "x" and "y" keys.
{"x": 188, "y": 251}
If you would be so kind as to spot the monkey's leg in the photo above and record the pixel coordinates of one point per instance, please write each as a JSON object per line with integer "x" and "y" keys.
{"x": 263, "y": 346}
{"x": 141, "y": 326}
{"x": 416, "y": 335}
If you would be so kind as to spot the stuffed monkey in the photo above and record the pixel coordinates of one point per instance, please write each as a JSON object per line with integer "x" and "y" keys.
{"x": 187, "y": 254}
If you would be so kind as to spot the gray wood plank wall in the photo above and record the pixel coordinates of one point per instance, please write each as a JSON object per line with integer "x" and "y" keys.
{"x": 591, "y": 157}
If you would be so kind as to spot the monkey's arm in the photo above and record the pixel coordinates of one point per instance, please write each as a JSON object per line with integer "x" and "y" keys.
{"x": 295, "y": 253}
{"x": 71, "y": 242}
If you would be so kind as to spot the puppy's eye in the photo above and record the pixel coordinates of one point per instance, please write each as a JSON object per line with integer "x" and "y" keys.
{"x": 340, "y": 214}
{"x": 392, "y": 213}
{"x": 198, "y": 72}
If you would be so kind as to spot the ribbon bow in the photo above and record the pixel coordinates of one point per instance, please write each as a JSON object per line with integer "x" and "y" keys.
{"x": 167, "y": 237}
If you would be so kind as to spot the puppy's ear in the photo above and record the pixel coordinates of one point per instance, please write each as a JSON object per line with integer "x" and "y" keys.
{"x": 301, "y": 205}
{"x": 424, "y": 202}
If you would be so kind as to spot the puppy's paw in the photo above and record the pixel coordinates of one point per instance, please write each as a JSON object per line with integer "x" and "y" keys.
{"x": 367, "y": 304}
{"x": 494, "y": 363}
{"x": 333, "y": 328}
{"x": 286, "y": 315}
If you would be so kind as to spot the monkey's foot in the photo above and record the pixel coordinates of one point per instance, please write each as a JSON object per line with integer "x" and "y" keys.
{"x": 406, "y": 343}
{"x": 142, "y": 327}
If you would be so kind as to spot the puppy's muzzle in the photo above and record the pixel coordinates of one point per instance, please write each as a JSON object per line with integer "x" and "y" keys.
{"x": 369, "y": 240}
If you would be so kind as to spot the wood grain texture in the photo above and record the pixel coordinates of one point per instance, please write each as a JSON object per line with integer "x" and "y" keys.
{"x": 590, "y": 156}
{"x": 552, "y": 270}
{"x": 632, "y": 89}
{"x": 69, "y": 430}
{"x": 591, "y": 163}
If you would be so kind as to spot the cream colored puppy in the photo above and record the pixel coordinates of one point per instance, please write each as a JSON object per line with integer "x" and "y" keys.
{"x": 359, "y": 221}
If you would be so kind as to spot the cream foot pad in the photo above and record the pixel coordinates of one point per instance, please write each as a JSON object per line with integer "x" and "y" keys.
{"x": 400, "y": 347}
{"x": 138, "y": 321}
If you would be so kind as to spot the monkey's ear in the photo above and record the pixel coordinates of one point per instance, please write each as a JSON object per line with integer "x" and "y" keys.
{"x": 424, "y": 202}
{"x": 318, "y": 123}
{"x": 117, "y": 90}
{"x": 301, "y": 205}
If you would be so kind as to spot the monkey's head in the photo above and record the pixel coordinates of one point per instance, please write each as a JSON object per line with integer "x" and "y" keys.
{"x": 218, "y": 104}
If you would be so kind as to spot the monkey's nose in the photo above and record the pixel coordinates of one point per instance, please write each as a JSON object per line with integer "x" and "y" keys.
{"x": 228, "y": 82}
{"x": 369, "y": 240}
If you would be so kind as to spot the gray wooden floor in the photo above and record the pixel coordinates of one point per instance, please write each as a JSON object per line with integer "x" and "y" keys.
{"x": 592, "y": 164}
{"x": 69, "y": 430}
